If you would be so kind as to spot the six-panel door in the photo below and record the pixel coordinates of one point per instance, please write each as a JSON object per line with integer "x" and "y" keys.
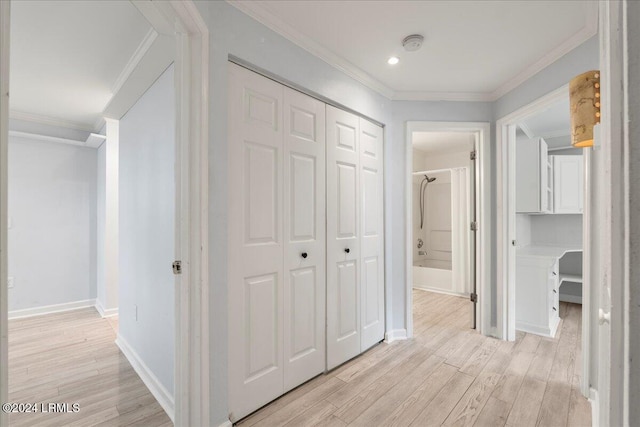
{"x": 343, "y": 237}
{"x": 255, "y": 242}
{"x": 305, "y": 238}
{"x": 372, "y": 235}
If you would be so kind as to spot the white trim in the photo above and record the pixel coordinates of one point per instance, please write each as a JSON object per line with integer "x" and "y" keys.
{"x": 263, "y": 15}
{"x": 50, "y": 309}
{"x": 595, "y": 406}
{"x": 589, "y": 30}
{"x": 575, "y": 299}
{"x": 91, "y": 142}
{"x": 439, "y": 291}
{"x": 110, "y": 312}
{"x": 227, "y": 423}
{"x": 539, "y": 330}
{"x": 505, "y": 221}
{"x": 162, "y": 395}
{"x": 442, "y": 96}
{"x": 5, "y": 23}
{"x": 483, "y": 215}
{"x": 395, "y": 335}
{"x": 51, "y": 121}
{"x": 134, "y": 60}
{"x": 527, "y": 130}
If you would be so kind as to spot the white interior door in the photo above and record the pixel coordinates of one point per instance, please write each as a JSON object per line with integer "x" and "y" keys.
{"x": 255, "y": 241}
{"x": 305, "y": 238}
{"x": 343, "y": 244}
{"x": 372, "y": 232}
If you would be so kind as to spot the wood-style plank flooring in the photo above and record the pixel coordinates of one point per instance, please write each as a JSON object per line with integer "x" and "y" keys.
{"x": 71, "y": 358}
{"x": 447, "y": 375}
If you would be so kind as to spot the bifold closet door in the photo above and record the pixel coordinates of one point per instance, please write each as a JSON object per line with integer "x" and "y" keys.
{"x": 255, "y": 237}
{"x": 343, "y": 237}
{"x": 372, "y": 232}
{"x": 277, "y": 240}
{"x": 305, "y": 238}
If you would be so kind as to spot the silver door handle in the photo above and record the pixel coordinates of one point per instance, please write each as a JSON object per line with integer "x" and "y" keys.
{"x": 604, "y": 316}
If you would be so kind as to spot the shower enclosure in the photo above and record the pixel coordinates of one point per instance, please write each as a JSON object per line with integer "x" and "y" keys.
{"x": 441, "y": 218}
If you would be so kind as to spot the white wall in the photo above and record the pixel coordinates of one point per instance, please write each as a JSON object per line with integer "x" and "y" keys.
{"x": 52, "y": 213}
{"x": 146, "y": 217}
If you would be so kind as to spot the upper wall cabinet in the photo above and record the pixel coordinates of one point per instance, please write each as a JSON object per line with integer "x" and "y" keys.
{"x": 568, "y": 184}
{"x": 533, "y": 177}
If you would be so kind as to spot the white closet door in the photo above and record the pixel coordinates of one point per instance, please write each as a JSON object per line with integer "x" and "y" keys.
{"x": 256, "y": 248}
{"x": 372, "y": 232}
{"x": 343, "y": 237}
{"x": 305, "y": 238}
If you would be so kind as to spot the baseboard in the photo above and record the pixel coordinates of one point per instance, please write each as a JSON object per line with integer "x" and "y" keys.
{"x": 395, "y": 335}
{"x": 227, "y": 423}
{"x": 110, "y": 312}
{"x": 440, "y": 291}
{"x": 595, "y": 406}
{"x": 570, "y": 298}
{"x": 164, "y": 398}
{"x": 536, "y": 329}
{"x": 50, "y": 309}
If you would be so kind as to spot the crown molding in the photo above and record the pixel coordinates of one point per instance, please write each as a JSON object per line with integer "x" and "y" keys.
{"x": 134, "y": 60}
{"x": 93, "y": 140}
{"x": 556, "y": 134}
{"x": 441, "y": 96}
{"x": 589, "y": 30}
{"x": 527, "y": 130}
{"x": 51, "y": 121}
{"x": 265, "y": 17}
{"x": 268, "y": 19}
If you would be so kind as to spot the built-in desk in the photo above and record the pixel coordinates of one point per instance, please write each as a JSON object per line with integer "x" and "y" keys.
{"x": 538, "y": 279}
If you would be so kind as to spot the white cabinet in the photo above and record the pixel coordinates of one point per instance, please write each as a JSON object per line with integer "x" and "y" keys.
{"x": 533, "y": 177}
{"x": 568, "y": 184}
{"x": 537, "y": 298}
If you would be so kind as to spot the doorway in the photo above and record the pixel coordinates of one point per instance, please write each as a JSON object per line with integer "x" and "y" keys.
{"x": 182, "y": 22}
{"x": 541, "y": 189}
{"x": 447, "y": 215}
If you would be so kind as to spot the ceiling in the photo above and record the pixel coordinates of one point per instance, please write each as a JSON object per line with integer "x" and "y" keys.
{"x": 69, "y": 58}
{"x": 473, "y": 50}
{"x": 439, "y": 143}
{"x": 553, "y": 124}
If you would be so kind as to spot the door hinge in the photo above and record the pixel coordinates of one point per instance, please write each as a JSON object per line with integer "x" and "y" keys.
{"x": 177, "y": 267}
{"x": 473, "y": 155}
{"x": 474, "y": 226}
{"x": 473, "y": 297}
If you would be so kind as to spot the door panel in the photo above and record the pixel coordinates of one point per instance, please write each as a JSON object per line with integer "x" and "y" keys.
{"x": 343, "y": 245}
{"x": 305, "y": 238}
{"x": 255, "y": 247}
{"x": 372, "y": 235}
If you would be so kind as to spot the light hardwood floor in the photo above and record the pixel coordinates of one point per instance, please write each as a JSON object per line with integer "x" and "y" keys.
{"x": 446, "y": 375}
{"x": 71, "y": 358}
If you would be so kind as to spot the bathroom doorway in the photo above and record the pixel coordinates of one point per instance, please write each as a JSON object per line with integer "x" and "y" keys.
{"x": 445, "y": 231}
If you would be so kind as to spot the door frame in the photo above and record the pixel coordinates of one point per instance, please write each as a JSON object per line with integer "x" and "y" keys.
{"x": 181, "y": 20}
{"x": 483, "y": 215}
{"x": 506, "y": 228}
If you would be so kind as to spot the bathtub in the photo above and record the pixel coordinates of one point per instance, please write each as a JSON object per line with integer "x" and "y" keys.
{"x": 433, "y": 275}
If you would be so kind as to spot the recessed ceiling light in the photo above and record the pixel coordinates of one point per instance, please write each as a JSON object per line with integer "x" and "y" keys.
{"x": 393, "y": 60}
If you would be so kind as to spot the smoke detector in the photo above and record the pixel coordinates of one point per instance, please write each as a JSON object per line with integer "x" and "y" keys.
{"x": 413, "y": 42}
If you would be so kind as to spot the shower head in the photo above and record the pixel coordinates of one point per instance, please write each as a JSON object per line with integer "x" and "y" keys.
{"x": 429, "y": 179}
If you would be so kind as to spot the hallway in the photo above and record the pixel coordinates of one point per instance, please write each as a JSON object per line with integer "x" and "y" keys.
{"x": 447, "y": 375}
